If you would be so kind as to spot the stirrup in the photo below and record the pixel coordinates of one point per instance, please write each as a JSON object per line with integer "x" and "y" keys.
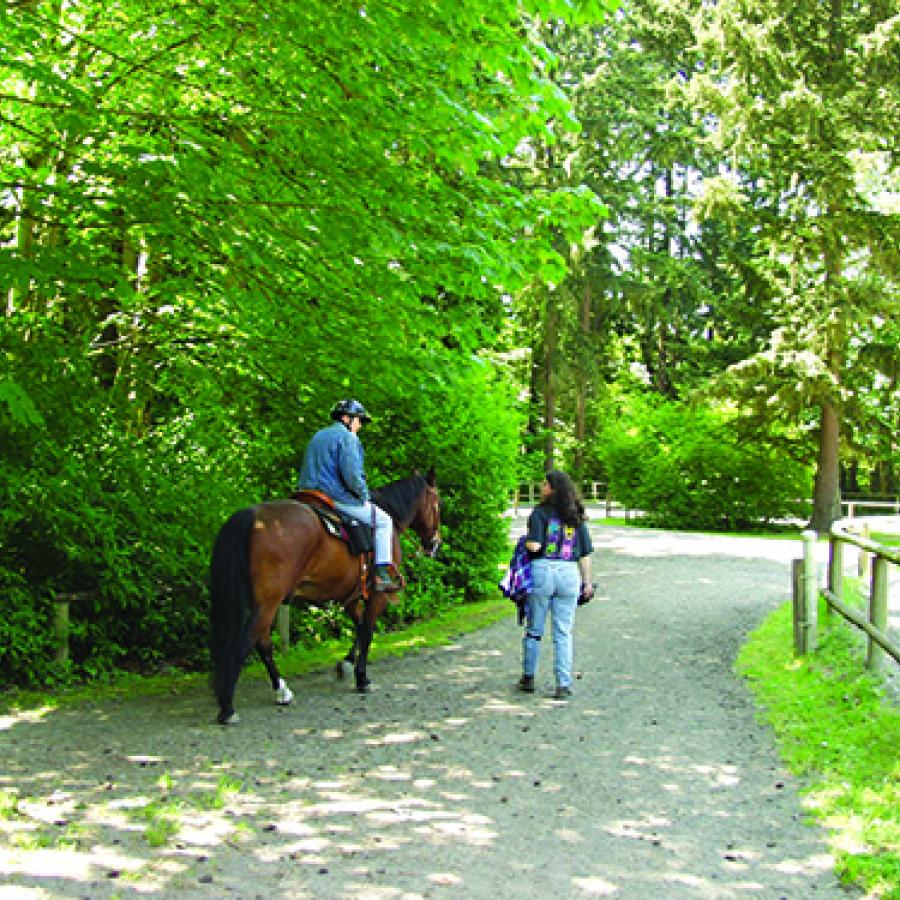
{"x": 387, "y": 580}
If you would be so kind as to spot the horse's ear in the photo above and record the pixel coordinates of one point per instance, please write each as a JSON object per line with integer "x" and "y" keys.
{"x": 431, "y": 477}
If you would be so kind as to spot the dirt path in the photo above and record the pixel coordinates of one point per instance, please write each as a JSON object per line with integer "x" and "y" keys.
{"x": 655, "y": 780}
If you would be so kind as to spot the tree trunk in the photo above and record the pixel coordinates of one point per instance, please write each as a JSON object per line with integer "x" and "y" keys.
{"x": 551, "y": 334}
{"x": 827, "y": 490}
{"x": 827, "y": 493}
{"x": 584, "y": 380}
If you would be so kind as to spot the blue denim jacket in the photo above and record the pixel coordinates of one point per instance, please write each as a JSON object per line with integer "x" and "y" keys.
{"x": 334, "y": 464}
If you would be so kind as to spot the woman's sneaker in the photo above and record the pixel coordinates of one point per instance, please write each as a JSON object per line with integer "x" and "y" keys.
{"x": 563, "y": 693}
{"x": 526, "y": 684}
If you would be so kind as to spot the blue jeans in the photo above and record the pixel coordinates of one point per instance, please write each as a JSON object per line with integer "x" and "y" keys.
{"x": 384, "y": 527}
{"x": 555, "y": 591}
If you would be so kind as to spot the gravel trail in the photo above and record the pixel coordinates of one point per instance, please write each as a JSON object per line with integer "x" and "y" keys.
{"x": 655, "y": 780}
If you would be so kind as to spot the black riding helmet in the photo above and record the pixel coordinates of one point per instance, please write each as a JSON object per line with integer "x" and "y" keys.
{"x": 350, "y": 408}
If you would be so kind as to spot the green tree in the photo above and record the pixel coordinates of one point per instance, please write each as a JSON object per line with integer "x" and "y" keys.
{"x": 795, "y": 95}
{"x": 214, "y": 223}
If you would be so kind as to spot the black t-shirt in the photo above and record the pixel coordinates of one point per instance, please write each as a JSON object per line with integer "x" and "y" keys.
{"x": 544, "y": 523}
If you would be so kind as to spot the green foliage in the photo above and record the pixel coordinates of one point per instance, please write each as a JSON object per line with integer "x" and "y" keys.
{"x": 8, "y": 804}
{"x": 835, "y": 729}
{"x": 161, "y": 822}
{"x": 691, "y": 467}
{"x": 212, "y": 231}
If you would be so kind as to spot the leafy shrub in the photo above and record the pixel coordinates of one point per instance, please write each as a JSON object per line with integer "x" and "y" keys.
{"x": 691, "y": 467}
{"x": 125, "y": 515}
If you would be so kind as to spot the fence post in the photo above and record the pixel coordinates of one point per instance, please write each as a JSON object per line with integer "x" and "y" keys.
{"x": 835, "y": 570}
{"x": 810, "y": 591}
{"x": 863, "y": 555}
{"x": 878, "y": 609}
{"x": 283, "y": 623}
{"x": 61, "y": 627}
{"x": 798, "y": 617}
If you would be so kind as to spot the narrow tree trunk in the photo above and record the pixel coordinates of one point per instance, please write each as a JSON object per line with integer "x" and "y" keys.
{"x": 827, "y": 489}
{"x": 551, "y": 335}
{"x": 584, "y": 380}
{"x": 827, "y": 493}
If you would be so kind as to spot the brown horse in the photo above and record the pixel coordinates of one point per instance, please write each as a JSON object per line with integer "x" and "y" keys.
{"x": 266, "y": 554}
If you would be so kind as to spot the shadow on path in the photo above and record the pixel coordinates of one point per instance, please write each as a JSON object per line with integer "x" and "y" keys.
{"x": 655, "y": 780}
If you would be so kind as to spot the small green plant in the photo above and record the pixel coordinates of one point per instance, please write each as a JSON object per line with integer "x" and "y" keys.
{"x": 162, "y": 822}
{"x": 225, "y": 790}
{"x": 165, "y": 782}
{"x": 32, "y": 840}
{"x": 835, "y": 729}
{"x": 9, "y": 803}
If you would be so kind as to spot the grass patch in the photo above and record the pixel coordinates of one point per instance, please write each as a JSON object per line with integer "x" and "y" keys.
{"x": 125, "y": 686}
{"x": 162, "y": 821}
{"x": 434, "y": 632}
{"x": 772, "y": 532}
{"x": 838, "y": 732}
{"x": 8, "y": 804}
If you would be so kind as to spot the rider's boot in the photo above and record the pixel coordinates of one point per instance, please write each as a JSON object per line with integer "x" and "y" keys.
{"x": 387, "y": 580}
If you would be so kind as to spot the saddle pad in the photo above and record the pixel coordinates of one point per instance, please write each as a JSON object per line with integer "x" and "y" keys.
{"x": 355, "y": 534}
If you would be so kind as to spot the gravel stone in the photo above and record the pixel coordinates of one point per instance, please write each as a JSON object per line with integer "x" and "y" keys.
{"x": 656, "y": 779}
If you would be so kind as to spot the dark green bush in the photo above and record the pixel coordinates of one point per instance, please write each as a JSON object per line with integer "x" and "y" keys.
{"x": 689, "y": 467}
{"x": 125, "y": 512}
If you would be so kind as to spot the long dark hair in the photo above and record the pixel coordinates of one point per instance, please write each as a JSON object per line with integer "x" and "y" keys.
{"x": 565, "y": 499}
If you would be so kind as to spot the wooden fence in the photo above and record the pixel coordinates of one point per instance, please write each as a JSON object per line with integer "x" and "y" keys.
{"x": 530, "y": 492}
{"x": 62, "y": 611}
{"x": 593, "y": 492}
{"x": 873, "y": 621}
{"x": 852, "y": 506}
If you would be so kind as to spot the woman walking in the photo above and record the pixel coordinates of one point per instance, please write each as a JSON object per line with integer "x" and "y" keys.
{"x": 559, "y": 544}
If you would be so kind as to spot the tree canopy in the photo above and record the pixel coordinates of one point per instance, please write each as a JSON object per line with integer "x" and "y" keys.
{"x": 511, "y": 228}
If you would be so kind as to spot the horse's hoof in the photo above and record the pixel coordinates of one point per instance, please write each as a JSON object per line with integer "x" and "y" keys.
{"x": 283, "y": 694}
{"x": 233, "y": 719}
{"x": 344, "y": 669}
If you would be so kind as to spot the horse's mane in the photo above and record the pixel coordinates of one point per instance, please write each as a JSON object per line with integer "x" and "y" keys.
{"x": 399, "y": 498}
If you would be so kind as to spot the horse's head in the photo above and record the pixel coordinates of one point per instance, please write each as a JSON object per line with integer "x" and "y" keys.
{"x": 427, "y": 519}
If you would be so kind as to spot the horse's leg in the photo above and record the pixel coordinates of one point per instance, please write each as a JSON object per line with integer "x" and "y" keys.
{"x": 283, "y": 694}
{"x": 375, "y": 606}
{"x": 262, "y": 634}
{"x": 369, "y": 613}
{"x": 354, "y": 610}
{"x": 345, "y": 666}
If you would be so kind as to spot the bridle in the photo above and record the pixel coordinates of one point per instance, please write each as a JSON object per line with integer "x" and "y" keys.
{"x": 432, "y": 542}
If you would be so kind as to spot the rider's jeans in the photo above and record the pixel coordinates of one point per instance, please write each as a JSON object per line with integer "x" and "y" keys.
{"x": 383, "y": 527}
{"x": 555, "y": 591}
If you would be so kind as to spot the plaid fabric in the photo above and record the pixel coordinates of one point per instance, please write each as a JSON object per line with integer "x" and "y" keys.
{"x": 517, "y": 582}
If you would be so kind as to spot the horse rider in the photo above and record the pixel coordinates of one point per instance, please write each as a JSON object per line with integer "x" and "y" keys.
{"x": 333, "y": 464}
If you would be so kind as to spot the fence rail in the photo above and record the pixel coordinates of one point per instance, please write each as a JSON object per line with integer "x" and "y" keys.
{"x": 874, "y": 621}
{"x": 530, "y": 492}
{"x": 852, "y": 507}
{"x": 855, "y": 508}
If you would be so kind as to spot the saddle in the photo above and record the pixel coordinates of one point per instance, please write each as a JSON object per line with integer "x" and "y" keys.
{"x": 357, "y": 535}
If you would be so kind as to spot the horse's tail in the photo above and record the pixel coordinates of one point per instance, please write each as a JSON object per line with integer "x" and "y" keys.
{"x": 231, "y": 605}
